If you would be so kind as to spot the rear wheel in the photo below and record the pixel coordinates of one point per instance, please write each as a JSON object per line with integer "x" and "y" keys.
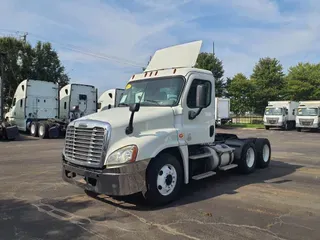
{"x": 299, "y": 129}
{"x": 263, "y": 149}
{"x": 164, "y": 179}
{"x": 34, "y": 129}
{"x": 247, "y": 161}
{"x": 43, "y": 130}
{"x": 267, "y": 127}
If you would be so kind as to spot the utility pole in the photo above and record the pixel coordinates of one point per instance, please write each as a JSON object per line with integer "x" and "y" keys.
{"x": 2, "y": 55}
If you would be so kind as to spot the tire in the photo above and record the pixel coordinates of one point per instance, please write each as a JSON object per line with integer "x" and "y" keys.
{"x": 285, "y": 126}
{"x": 248, "y": 159}
{"x": 267, "y": 127}
{"x": 156, "y": 182}
{"x": 34, "y": 129}
{"x": 263, "y": 149}
{"x": 43, "y": 130}
{"x": 298, "y": 129}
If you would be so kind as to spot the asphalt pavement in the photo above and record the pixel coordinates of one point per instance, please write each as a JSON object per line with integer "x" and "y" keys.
{"x": 280, "y": 202}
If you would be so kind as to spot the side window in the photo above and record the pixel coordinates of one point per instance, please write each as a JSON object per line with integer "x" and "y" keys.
{"x": 293, "y": 112}
{"x": 82, "y": 97}
{"x": 191, "y": 99}
{"x": 65, "y": 105}
{"x": 21, "y": 103}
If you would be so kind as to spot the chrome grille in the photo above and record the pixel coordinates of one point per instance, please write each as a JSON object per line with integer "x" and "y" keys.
{"x": 306, "y": 122}
{"x": 85, "y": 145}
{"x": 272, "y": 120}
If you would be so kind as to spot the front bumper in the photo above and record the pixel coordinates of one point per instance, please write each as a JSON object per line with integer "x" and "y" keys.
{"x": 118, "y": 181}
{"x": 315, "y": 125}
{"x": 273, "y": 124}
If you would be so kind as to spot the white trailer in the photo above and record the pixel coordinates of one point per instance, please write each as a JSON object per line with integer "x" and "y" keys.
{"x": 308, "y": 115}
{"x": 161, "y": 136}
{"x": 81, "y": 95}
{"x": 35, "y": 108}
{"x": 222, "y": 110}
{"x": 109, "y": 99}
{"x": 280, "y": 114}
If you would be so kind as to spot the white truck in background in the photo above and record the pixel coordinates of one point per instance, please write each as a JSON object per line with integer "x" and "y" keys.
{"x": 160, "y": 140}
{"x": 308, "y": 115}
{"x": 222, "y": 111}
{"x": 36, "y": 107}
{"x": 280, "y": 114}
{"x": 109, "y": 99}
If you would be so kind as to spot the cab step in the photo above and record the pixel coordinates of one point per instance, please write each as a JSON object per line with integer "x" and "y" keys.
{"x": 199, "y": 156}
{"x": 228, "y": 167}
{"x": 204, "y": 175}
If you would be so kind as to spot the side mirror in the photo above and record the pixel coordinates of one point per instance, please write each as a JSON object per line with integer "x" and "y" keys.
{"x": 201, "y": 96}
{"x": 134, "y": 107}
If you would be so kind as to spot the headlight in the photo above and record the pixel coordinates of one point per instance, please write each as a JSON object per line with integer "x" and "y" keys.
{"x": 123, "y": 155}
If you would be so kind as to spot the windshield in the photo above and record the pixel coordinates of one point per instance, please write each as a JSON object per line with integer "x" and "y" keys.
{"x": 153, "y": 92}
{"x": 273, "y": 111}
{"x": 308, "y": 111}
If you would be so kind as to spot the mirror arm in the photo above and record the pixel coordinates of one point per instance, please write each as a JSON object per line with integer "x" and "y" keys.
{"x": 193, "y": 115}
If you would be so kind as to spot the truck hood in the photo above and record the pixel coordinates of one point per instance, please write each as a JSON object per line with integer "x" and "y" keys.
{"x": 147, "y": 118}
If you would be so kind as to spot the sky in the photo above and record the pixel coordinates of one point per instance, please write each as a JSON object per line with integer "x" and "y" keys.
{"x": 105, "y": 42}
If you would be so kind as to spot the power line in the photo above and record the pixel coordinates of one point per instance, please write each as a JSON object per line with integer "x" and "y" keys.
{"x": 76, "y": 49}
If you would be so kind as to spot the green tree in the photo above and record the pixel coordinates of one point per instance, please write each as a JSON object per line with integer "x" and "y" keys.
{"x": 210, "y": 62}
{"x": 268, "y": 78}
{"x": 22, "y": 62}
{"x": 303, "y": 82}
{"x": 240, "y": 91}
{"x": 47, "y": 65}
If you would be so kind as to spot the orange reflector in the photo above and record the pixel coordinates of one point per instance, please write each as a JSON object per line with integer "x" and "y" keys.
{"x": 174, "y": 71}
{"x": 150, "y": 74}
{"x": 145, "y": 74}
{"x": 181, "y": 135}
{"x": 156, "y": 73}
{"x": 133, "y": 76}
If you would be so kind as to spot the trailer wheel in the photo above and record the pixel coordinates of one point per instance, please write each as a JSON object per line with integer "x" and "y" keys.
{"x": 164, "y": 178}
{"x": 43, "y": 130}
{"x": 91, "y": 193}
{"x": 263, "y": 152}
{"x": 247, "y": 162}
{"x": 34, "y": 129}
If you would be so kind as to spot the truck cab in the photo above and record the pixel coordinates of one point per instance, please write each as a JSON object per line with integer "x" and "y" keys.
{"x": 109, "y": 99}
{"x": 161, "y": 135}
{"x": 280, "y": 114}
{"x": 308, "y": 115}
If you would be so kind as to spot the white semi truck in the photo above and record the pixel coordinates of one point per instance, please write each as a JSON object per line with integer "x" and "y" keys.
{"x": 308, "y": 115}
{"x": 280, "y": 114}
{"x": 161, "y": 136}
{"x": 40, "y": 109}
{"x": 109, "y": 99}
{"x": 222, "y": 113}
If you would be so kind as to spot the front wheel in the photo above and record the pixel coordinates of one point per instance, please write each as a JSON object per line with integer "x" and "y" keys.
{"x": 164, "y": 179}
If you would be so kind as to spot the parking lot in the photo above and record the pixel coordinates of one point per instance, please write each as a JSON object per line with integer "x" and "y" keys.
{"x": 281, "y": 202}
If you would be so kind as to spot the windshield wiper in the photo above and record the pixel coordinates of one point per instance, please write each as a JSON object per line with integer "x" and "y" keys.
{"x": 152, "y": 101}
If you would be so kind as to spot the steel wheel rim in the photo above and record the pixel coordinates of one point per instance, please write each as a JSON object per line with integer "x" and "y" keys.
{"x": 41, "y": 130}
{"x": 250, "y": 157}
{"x": 266, "y": 153}
{"x": 33, "y": 129}
{"x": 166, "y": 180}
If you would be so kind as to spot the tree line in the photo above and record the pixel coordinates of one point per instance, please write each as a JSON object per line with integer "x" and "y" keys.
{"x": 22, "y": 61}
{"x": 266, "y": 83}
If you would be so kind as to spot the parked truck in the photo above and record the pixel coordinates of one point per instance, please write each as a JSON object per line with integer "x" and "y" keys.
{"x": 7, "y": 131}
{"x": 161, "y": 136}
{"x": 222, "y": 111}
{"x": 280, "y": 114}
{"x": 308, "y": 115}
{"x": 109, "y": 99}
{"x": 40, "y": 109}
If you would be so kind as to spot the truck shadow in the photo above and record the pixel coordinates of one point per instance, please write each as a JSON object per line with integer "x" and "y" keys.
{"x": 223, "y": 183}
